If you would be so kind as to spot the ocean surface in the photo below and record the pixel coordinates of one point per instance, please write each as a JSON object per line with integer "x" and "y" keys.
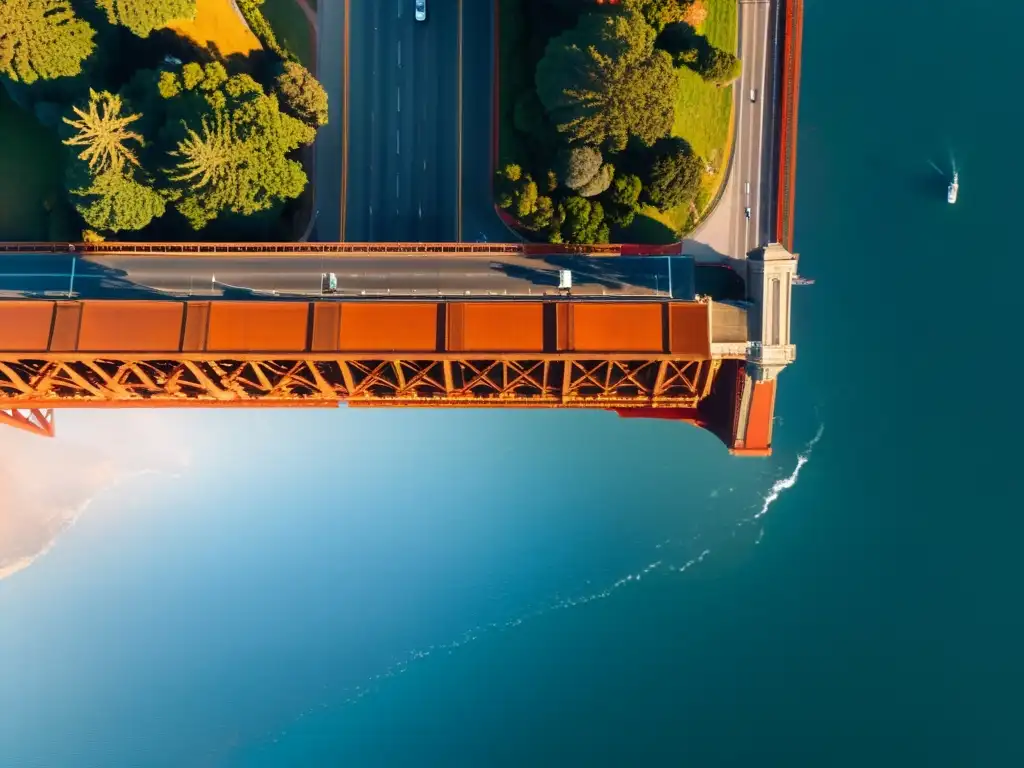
{"x": 416, "y": 588}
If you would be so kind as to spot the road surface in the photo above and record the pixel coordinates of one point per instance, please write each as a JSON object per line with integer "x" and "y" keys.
{"x": 330, "y": 138}
{"x": 404, "y": 122}
{"x": 728, "y": 232}
{"x": 135, "y": 277}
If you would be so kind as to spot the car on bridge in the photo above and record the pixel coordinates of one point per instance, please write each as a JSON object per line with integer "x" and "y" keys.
{"x": 421, "y": 10}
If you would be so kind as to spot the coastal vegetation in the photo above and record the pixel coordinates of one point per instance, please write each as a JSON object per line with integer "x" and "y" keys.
{"x": 160, "y": 119}
{"x": 615, "y": 117}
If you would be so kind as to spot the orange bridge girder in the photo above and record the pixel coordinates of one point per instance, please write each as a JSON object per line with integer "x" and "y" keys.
{"x": 646, "y": 357}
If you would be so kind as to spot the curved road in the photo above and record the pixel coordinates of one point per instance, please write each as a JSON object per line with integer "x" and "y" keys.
{"x": 728, "y": 232}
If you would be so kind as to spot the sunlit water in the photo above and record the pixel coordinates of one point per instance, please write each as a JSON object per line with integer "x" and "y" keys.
{"x": 550, "y": 589}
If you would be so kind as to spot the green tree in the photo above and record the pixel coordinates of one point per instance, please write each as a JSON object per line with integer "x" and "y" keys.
{"x": 674, "y": 175}
{"x": 583, "y": 221}
{"x": 599, "y": 183}
{"x": 115, "y": 202}
{"x": 143, "y": 16}
{"x": 578, "y": 165}
{"x": 301, "y": 94}
{"x": 236, "y": 160}
{"x": 103, "y": 132}
{"x": 603, "y": 81}
{"x": 206, "y": 158}
{"x": 42, "y": 40}
{"x": 623, "y": 199}
{"x": 719, "y": 67}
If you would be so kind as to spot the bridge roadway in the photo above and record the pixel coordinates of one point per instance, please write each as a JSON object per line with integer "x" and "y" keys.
{"x": 51, "y": 275}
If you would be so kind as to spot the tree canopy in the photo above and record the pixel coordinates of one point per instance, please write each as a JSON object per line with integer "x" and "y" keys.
{"x": 674, "y": 175}
{"x": 603, "y": 81}
{"x": 719, "y": 67}
{"x": 227, "y": 144}
{"x": 143, "y": 16}
{"x": 103, "y": 132}
{"x": 301, "y": 94}
{"x": 578, "y": 165}
{"x": 42, "y": 40}
{"x": 115, "y": 202}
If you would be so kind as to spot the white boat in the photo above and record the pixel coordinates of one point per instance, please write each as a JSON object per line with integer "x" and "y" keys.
{"x": 954, "y": 187}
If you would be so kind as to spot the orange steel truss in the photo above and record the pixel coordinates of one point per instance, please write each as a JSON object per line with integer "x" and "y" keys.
{"x": 34, "y": 420}
{"x": 581, "y": 383}
{"x": 553, "y": 353}
{"x": 649, "y": 358}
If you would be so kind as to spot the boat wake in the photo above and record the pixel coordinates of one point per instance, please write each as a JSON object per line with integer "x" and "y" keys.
{"x": 650, "y": 570}
{"x": 785, "y": 483}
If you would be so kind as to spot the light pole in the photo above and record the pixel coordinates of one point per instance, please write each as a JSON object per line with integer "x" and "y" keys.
{"x": 71, "y": 285}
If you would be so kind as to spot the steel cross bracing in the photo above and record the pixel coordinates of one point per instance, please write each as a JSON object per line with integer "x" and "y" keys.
{"x": 35, "y": 420}
{"x": 564, "y": 381}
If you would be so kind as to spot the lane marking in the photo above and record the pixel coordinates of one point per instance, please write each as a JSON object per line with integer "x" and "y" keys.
{"x": 344, "y": 115}
{"x": 399, "y": 98}
{"x": 458, "y": 192}
{"x": 760, "y": 133}
{"x": 399, "y": 52}
{"x": 397, "y": 185}
{"x": 398, "y": 141}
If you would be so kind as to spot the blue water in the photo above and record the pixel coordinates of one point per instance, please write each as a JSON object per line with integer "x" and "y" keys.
{"x": 446, "y": 589}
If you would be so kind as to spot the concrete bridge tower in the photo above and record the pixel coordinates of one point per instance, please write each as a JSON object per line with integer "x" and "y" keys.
{"x": 769, "y": 279}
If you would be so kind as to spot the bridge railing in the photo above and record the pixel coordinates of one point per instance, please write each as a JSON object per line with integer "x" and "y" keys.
{"x": 790, "y": 102}
{"x": 333, "y": 249}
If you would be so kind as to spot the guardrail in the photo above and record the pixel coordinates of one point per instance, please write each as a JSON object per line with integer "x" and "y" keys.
{"x": 333, "y": 249}
{"x": 792, "y": 32}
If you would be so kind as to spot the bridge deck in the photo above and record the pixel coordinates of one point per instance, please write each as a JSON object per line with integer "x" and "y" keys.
{"x": 194, "y": 329}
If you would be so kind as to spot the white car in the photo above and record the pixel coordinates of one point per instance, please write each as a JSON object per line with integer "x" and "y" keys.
{"x": 421, "y": 10}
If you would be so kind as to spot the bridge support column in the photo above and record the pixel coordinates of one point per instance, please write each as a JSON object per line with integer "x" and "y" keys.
{"x": 770, "y": 273}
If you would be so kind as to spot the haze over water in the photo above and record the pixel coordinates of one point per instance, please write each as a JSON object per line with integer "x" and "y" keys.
{"x": 414, "y": 588}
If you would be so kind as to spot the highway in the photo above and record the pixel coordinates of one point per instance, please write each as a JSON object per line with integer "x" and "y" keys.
{"x": 750, "y": 159}
{"x": 330, "y": 139}
{"x": 404, "y": 128}
{"x": 263, "y": 277}
{"x": 727, "y": 232}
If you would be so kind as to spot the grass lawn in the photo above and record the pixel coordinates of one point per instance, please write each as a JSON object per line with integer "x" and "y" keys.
{"x": 217, "y": 24}
{"x": 703, "y": 118}
{"x": 291, "y": 28}
{"x": 31, "y": 172}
